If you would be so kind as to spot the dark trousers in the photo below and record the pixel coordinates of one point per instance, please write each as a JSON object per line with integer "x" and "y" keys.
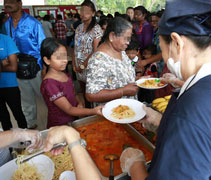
{"x": 11, "y": 96}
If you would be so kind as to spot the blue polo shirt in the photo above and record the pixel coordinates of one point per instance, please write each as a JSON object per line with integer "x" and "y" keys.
{"x": 28, "y": 35}
{"x": 7, "y": 48}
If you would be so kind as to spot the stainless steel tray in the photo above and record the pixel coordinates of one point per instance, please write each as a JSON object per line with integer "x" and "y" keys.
{"x": 136, "y": 135}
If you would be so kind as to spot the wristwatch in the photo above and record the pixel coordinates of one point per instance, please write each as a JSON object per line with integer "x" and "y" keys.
{"x": 81, "y": 142}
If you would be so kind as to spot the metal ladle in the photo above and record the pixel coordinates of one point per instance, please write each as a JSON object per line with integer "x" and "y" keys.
{"x": 111, "y": 157}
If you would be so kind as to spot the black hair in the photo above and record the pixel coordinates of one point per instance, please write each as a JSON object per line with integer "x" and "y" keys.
{"x": 46, "y": 17}
{"x": 116, "y": 14}
{"x": 77, "y": 16}
{"x": 201, "y": 42}
{"x": 103, "y": 21}
{"x": 37, "y": 16}
{"x": 101, "y": 12}
{"x": 59, "y": 17}
{"x": 70, "y": 15}
{"x": 110, "y": 16}
{"x": 160, "y": 13}
{"x": 117, "y": 25}
{"x": 125, "y": 16}
{"x": 143, "y": 11}
{"x": 152, "y": 48}
{"x": 91, "y": 5}
{"x": 48, "y": 47}
{"x": 130, "y": 8}
{"x": 2, "y": 16}
{"x": 134, "y": 45}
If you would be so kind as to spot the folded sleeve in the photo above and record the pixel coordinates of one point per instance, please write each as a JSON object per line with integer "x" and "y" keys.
{"x": 52, "y": 90}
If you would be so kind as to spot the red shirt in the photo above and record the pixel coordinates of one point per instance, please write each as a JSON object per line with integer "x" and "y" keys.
{"x": 60, "y": 29}
{"x": 52, "y": 90}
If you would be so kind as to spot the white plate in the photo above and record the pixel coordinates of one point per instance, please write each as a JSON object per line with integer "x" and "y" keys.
{"x": 144, "y": 79}
{"x": 43, "y": 163}
{"x": 135, "y": 105}
{"x": 67, "y": 175}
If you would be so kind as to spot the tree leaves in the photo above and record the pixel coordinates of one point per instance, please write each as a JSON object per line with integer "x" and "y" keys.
{"x": 111, "y": 6}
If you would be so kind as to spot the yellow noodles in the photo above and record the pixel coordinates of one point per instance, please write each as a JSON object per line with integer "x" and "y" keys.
{"x": 62, "y": 162}
{"x": 122, "y": 112}
{"x": 26, "y": 171}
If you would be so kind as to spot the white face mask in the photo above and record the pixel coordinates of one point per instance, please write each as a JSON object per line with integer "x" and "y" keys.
{"x": 173, "y": 67}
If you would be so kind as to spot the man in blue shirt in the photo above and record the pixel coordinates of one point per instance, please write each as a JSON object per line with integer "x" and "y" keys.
{"x": 28, "y": 35}
{"x": 9, "y": 91}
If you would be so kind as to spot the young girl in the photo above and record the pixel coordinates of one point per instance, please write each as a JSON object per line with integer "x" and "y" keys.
{"x": 57, "y": 87}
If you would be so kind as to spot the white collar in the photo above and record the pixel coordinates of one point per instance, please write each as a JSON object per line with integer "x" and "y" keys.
{"x": 205, "y": 70}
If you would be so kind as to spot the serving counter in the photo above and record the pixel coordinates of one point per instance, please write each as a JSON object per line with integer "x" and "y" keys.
{"x": 104, "y": 137}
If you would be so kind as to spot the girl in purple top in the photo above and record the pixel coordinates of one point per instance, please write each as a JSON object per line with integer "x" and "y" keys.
{"x": 57, "y": 87}
{"x": 142, "y": 28}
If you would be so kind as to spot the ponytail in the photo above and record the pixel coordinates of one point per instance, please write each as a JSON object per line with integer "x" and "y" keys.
{"x": 91, "y": 24}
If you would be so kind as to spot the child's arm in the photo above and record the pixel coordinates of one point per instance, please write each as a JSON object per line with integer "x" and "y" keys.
{"x": 65, "y": 106}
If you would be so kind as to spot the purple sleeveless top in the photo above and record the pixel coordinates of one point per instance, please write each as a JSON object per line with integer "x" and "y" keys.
{"x": 52, "y": 90}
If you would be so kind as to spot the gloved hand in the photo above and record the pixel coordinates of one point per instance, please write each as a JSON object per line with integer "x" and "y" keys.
{"x": 24, "y": 135}
{"x": 171, "y": 79}
{"x": 59, "y": 134}
{"x": 130, "y": 156}
{"x": 152, "y": 119}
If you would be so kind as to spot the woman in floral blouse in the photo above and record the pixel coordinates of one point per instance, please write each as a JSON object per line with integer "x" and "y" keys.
{"x": 110, "y": 74}
{"x": 87, "y": 37}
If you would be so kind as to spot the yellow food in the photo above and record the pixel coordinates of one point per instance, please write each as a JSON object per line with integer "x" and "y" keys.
{"x": 26, "y": 171}
{"x": 162, "y": 108}
{"x": 160, "y": 104}
{"x": 168, "y": 97}
{"x": 62, "y": 162}
{"x": 122, "y": 112}
{"x": 158, "y": 100}
{"x": 151, "y": 83}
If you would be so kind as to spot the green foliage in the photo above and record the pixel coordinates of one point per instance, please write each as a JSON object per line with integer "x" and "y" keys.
{"x": 111, "y": 6}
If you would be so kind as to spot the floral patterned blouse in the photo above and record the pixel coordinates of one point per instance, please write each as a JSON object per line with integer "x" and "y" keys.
{"x": 106, "y": 72}
{"x": 84, "y": 41}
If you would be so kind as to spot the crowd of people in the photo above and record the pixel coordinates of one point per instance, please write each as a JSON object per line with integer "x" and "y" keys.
{"x": 108, "y": 55}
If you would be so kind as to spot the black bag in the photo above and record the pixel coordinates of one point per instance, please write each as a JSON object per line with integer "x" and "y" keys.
{"x": 27, "y": 67}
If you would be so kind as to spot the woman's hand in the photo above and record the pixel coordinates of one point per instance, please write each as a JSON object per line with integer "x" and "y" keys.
{"x": 172, "y": 79}
{"x": 59, "y": 134}
{"x": 128, "y": 157}
{"x": 130, "y": 89}
{"x": 98, "y": 110}
{"x": 23, "y": 135}
{"x": 152, "y": 119}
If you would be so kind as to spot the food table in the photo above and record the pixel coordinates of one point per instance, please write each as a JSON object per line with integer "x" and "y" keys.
{"x": 104, "y": 137}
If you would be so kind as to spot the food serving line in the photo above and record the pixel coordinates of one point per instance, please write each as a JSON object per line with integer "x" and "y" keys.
{"x": 108, "y": 136}
{"x": 129, "y": 137}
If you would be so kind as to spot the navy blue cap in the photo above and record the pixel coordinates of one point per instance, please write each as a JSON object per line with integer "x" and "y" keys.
{"x": 186, "y": 17}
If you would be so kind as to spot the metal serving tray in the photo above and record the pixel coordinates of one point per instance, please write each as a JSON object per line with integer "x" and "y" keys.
{"x": 134, "y": 133}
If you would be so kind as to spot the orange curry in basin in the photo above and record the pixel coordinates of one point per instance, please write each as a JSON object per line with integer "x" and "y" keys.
{"x": 105, "y": 137}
